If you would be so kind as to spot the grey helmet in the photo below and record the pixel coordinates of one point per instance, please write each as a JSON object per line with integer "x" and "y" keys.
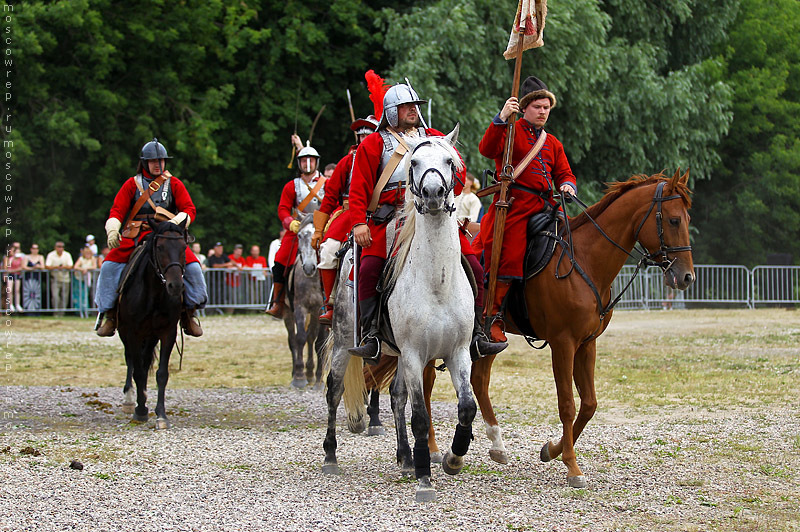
{"x": 398, "y": 95}
{"x": 308, "y": 151}
{"x": 154, "y": 150}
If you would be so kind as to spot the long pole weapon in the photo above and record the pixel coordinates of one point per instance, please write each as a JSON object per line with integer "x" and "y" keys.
{"x": 296, "y": 104}
{"x": 503, "y": 203}
{"x": 352, "y": 113}
{"x": 314, "y": 124}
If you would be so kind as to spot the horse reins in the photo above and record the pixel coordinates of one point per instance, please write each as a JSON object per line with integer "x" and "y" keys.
{"x": 645, "y": 259}
{"x": 162, "y": 272}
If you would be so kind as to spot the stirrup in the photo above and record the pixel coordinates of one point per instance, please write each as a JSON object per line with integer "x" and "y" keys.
{"x": 369, "y": 350}
{"x": 497, "y": 332}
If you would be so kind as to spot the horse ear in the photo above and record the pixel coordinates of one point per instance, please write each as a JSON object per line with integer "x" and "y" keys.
{"x": 685, "y": 178}
{"x": 182, "y": 225}
{"x": 153, "y": 225}
{"x": 453, "y": 136}
{"x": 675, "y": 178}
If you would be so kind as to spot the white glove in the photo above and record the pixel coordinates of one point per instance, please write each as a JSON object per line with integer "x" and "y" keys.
{"x": 112, "y": 231}
{"x": 181, "y": 216}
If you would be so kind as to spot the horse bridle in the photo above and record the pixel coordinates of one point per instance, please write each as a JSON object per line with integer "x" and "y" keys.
{"x": 157, "y": 266}
{"x": 663, "y": 250}
{"x": 414, "y": 187}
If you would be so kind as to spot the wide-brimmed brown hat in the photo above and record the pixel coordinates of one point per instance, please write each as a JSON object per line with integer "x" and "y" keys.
{"x": 533, "y": 89}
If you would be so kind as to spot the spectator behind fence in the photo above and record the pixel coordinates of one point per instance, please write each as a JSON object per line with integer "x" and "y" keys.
{"x": 258, "y": 265}
{"x": 198, "y": 252}
{"x": 32, "y": 280}
{"x": 92, "y": 244}
{"x": 234, "y": 280}
{"x": 82, "y": 285}
{"x": 274, "y": 246}
{"x": 329, "y": 168}
{"x": 217, "y": 260}
{"x": 13, "y": 264}
{"x": 59, "y": 262}
{"x": 102, "y": 256}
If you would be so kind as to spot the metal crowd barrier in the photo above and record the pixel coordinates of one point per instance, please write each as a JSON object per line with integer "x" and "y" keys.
{"x": 249, "y": 289}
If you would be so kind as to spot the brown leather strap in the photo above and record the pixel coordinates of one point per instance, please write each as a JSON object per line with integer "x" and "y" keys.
{"x": 158, "y": 182}
{"x": 523, "y": 164}
{"x": 388, "y": 170}
{"x": 313, "y": 194}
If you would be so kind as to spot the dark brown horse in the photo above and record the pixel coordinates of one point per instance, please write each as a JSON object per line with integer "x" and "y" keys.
{"x": 570, "y": 311}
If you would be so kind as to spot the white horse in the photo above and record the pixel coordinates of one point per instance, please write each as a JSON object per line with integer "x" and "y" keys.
{"x": 431, "y": 312}
{"x": 301, "y": 318}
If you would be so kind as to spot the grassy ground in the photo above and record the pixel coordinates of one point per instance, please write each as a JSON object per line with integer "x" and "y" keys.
{"x": 693, "y": 359}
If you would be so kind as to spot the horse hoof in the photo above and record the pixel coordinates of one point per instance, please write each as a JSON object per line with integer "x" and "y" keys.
{"x": 436, "y": 458}
{"x": 501, "y": 457}
{"x": 299, "y": 383}
{"x": 578, "y": 481}
{"x": 452, "y": 464}
{"x": 162, "y": 423}
{"x": 544, "y": 455}
{"x": 376, "y": 430}
{"x": 318, "y": 387}
{"x": 425, "y": 491}
{"x": 128, "y": 408}
{"x": 330, "y": 469}
{"x": 141, "y": 418}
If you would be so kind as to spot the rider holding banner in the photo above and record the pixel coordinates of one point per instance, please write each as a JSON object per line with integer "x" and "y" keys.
{"x": 548, "y": 168}
{"x": 302, "y": 194}
{"x": 153, "y": 194}
{"x": 377, "y": 193}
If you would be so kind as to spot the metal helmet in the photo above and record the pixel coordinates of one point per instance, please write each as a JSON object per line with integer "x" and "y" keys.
{"x": 365, "y": 126}
{"x": 154, "y": 150}
{"x": 308, "y": 151}
{"x": 398, "y": 95}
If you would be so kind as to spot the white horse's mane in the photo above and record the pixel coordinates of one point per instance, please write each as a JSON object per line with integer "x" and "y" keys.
{"x": 403, "y": 242}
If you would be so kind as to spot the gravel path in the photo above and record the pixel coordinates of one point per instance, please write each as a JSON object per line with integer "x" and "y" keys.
{"x": 250, "y": 460}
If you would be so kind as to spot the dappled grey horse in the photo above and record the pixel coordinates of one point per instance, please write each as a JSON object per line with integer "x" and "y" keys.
{"x": 301, "y": 317}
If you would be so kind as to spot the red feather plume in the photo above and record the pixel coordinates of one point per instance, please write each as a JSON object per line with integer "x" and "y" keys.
{"x": 377, "y": 90}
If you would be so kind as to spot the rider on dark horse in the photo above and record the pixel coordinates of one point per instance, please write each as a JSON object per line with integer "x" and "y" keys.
{"x": 401, "y": 119}
{"x": 530, "y": 190}
{"x": 302, "y": 194}
{"x": 332, "y": 220}
{"x": 168, "y": 200}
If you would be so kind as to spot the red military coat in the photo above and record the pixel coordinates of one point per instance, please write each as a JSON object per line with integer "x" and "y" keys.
{"x": 123, "y": 203}
{"x": 365, "y": 177}
{"x": 551, "y": 164}
{"x": 337, "y": 190}
{"x": 287, "y": 253}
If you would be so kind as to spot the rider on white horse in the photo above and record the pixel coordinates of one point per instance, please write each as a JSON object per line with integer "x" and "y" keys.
{"x": 166, "y": 195}
{"x": 377, "y": 191}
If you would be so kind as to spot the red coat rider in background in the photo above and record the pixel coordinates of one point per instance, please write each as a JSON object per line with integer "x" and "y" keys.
{"x": 335, "y": 207}
{"x": 400, "y": 117}
{"x": 530, "y": 190}
{"x": 171, "y": 197}
{"x": 305, "y": 191}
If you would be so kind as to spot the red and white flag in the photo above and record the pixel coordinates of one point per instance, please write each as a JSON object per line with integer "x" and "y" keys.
{"x": 529, "y": 21}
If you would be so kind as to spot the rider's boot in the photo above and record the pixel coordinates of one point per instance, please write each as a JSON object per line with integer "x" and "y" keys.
{"x": 370, "y": 349}
{"x": 328, "y": 279}
{"x": 109, "y": 325}
{"x": 276, "y": 310}
{"x": 497, "y": 332}
{"x": 481, "y": 345}
{"x": 190, "y": 324}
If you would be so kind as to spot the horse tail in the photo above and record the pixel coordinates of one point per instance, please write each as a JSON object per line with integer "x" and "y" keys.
{"x": 355, "y": 392}
{"x": 327, "y": 350}
{"x": 379, "y": 377}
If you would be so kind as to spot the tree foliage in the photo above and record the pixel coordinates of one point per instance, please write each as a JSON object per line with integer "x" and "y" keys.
{"x": 751, "y": 207}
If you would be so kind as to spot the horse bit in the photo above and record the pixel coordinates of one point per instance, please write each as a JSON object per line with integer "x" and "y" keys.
{"x": 414, "y": 187}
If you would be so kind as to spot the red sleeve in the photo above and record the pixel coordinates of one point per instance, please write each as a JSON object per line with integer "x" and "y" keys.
{"x": 288, "y": 196}
{"x": 493, "y": 142}
{"x": 562, "y": 172}
{"x": 365, "y": 175}
{"x": 335, "y": 185}
{"x": 123, "y": 200}
{"x": 183, "y": 202}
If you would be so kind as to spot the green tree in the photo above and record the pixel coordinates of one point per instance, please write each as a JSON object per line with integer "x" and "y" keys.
{"x": 217, "y": 80}
{"x": 630, "y": 100}
{"x": 751, "y": 206}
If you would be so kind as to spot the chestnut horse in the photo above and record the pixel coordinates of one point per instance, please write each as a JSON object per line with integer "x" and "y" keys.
{"x": 570, "y": 302}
